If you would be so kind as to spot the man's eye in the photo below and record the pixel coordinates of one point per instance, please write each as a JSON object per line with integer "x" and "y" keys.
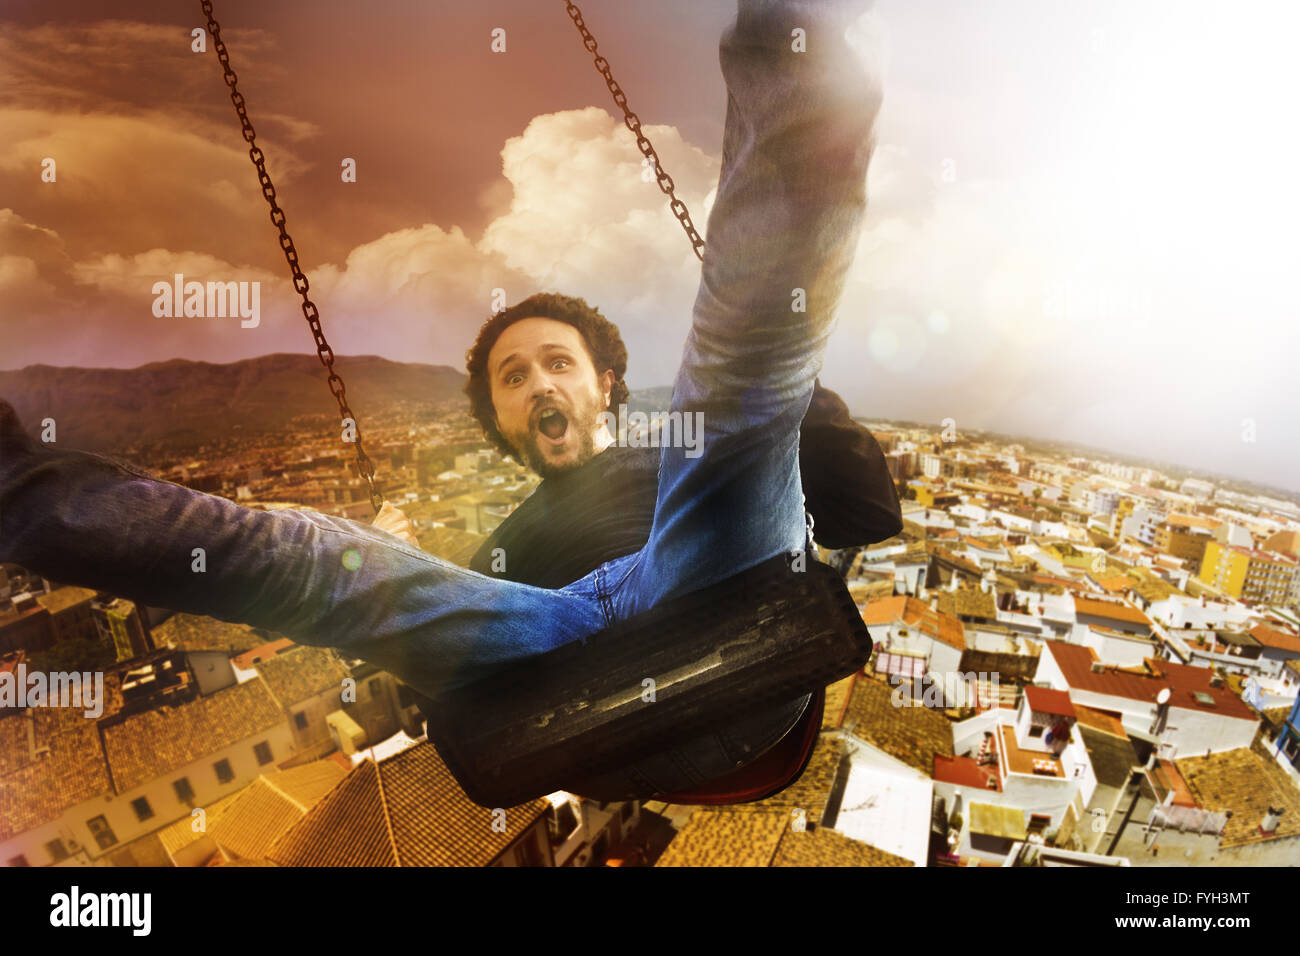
{"x": 560, "y": 363}
{"x": 514, "y": 378}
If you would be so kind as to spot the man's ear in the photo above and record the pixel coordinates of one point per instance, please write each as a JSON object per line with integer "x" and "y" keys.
{"x": 607, "y": 385}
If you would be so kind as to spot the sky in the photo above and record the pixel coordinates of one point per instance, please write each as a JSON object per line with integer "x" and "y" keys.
{"x": 1081, "y": 220}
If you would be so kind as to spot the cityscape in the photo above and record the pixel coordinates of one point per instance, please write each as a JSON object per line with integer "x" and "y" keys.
{"x": 1077, "y": 662}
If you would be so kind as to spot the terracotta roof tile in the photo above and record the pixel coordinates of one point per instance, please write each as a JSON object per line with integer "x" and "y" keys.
{"x": 1246, "y": 783}
{"x": 176, "y": 836}
{"x": 970, "y": 602}
{"x": 940, "y": 626}
{"x": 914, "y": 735}
{"x": 270, "y": 805}
{"x": 302, "y": 673}
{"x": 34, "y": 792}
{"x": 1275, "y": 638}
{"x": 1110, "y": 609}
{"x": 1183, "y": 680}
{"x": 821, "y": 846}
{"x": 413, "y": 795}
{"x": 1046, "y": 701}
{"x": 193, "y": 632}
{"x": 154, "y": 742}
{"x": 726, "y": 837}
{"x": 1103, "y": 720}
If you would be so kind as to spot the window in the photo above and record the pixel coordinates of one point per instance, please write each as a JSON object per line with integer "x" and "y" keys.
{"x": 101, "y": 831}
{"x": 142, "y": 809}
{"x": 224, "y": 773}
{"x": 184, "y": 792}
{"x": 56, "y": 850}
{"x": 263, "y": 753}
{"x": 300, "y": 720}
{"x": 1035, "y": 731}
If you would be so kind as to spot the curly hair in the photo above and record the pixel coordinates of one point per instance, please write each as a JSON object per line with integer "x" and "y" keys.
{"x": 604, "y": 346}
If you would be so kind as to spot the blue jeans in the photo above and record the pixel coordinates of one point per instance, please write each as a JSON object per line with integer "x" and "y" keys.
{"x": 787, "y": 217}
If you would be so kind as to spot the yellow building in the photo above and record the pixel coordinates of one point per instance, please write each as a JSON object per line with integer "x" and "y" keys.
{"x": 1248, "y": 574}
{"x": 1124, "y": 509}
{"x": 1185, "y": 537}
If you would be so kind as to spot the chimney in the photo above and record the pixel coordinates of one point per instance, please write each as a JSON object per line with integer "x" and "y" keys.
{"x": 1271, "y": 820}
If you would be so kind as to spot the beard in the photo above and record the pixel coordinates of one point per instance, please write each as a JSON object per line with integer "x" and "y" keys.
{"x": 542, "y": 456}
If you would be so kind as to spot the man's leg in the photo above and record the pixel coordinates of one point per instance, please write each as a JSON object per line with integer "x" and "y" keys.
{"x": 88, "y": 520}
{"x": 781, "y": 237}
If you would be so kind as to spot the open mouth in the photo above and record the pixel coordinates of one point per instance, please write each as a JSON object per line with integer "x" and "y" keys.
{"x": 553, "y": 424}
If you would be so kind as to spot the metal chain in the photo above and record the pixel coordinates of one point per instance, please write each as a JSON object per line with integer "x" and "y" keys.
{"x": 365, "y": 467}
{"x": 634, "y": 124}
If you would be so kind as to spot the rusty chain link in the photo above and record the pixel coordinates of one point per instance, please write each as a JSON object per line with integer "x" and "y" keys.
{"x": 633, "y": 122}
{"x": 365, "y": 467}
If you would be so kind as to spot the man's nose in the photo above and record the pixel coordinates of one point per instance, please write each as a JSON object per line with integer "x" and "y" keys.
{"x": 542, "y": 384}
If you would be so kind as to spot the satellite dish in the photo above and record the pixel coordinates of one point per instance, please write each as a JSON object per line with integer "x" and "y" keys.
{"x": 1163, "y": 696}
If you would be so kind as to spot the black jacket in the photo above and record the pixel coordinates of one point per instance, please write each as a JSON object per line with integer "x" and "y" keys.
{"x": 573, "y": 523}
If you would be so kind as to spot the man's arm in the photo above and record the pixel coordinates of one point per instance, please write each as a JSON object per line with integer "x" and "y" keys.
{"x": 846, "y": 482}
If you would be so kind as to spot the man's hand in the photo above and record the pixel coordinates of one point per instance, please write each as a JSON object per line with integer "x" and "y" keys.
{"x": 394, "y": 521}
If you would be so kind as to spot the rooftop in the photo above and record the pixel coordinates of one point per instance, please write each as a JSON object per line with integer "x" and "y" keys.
{"x": 1275, "y": 638}
{"x": 761, "y": 833}
{"x": 60, "y": 599}
{"x": 1247, "y": 783}
{"x": 940, "y": 626}
{"x": 37, "y": 791}
{"x": 1184, "y": 681}
{"x": 302, "y": 673}
{"x": 195, "y": 632}
{"x": 1035, "y": 762}
{"x": 406, "y": 810}
{"x": 965, "y": 772}
{"x": 267, "y": 808}
{"x": 1110, "y": 610}
{"x": 1047, "y": 701}
{"x": 998, "y": 821}
{"x": 914, "y": 735}
{"x": 151, "y": 743}
{"x": 968, "y": 602}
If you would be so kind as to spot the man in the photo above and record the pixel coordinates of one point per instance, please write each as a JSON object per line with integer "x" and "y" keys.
{"x": 539, "y": 372}
{"x": 781, "y": 236}
{"x": 597, "y": 500}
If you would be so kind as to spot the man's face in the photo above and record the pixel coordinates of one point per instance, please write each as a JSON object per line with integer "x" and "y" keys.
{"x": 546, "y": 394}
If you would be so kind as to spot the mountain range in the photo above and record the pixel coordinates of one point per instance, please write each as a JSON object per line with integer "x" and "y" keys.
{"x": 180, "y": 403}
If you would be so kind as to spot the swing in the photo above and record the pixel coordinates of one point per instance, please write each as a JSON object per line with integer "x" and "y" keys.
{"x": 765, "y": 637}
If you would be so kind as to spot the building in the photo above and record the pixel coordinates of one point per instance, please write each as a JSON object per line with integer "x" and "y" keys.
{"x": 89, "y": 788}
{"x": 121, "y": 626}
{"x": 863, "y": 800}
{"x": 1249, "y": 574}
{"x": 918, "y": 649}
{"x": 71, "y": 616}
{"x": 1198, "y": 714}
{"x": 246, "y": 824}
{"x": 1022, "y": 774}
{"x": 1185, "y": 537}
{"x": 408, "y": 810}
